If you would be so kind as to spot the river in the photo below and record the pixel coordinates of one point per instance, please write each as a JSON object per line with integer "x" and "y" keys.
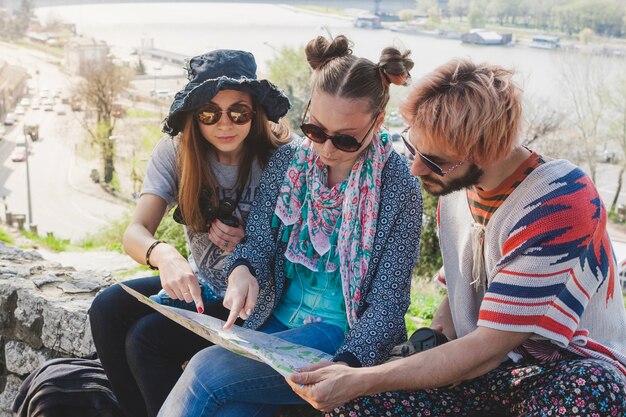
{"x": 193, "y": 28}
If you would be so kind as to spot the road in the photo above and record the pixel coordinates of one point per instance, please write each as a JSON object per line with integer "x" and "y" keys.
{"x": 64, "y": 200}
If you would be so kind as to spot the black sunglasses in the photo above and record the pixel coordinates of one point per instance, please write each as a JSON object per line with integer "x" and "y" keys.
{"x": 239, "y": 114}
{"x": 346, "y": 143}
{"x": 430, "y": 164}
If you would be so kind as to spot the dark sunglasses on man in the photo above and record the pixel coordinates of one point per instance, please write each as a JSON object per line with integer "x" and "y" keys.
{"x": 405, "y": 135}
{"x": 345, "y": 143}
{"x": 239, "y": 114}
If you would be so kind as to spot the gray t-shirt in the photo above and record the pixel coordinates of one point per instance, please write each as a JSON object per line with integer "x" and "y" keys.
{"x": 206, "y": 259}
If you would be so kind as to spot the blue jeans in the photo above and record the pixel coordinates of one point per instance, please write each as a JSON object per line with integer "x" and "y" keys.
{"x": 217, "y": 382}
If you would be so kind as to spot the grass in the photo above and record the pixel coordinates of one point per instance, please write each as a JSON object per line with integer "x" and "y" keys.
{"x": 56, "y": 51}
{"x": 108, "y": 238}
{"x": 50, "y": 241}
{"x": 6, "y": 237}
{"x": 135, "y": 113}
{"x": 323, "y": 9}
{"x": 425, "y": 299}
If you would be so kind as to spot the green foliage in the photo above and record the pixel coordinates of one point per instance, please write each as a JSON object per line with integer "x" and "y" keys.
{"x": 173, "y": 233}
{"x": 604, "y": 17}
{"x": 433, "y": 15}
{"x": 290, "y": 71}
{"x": 6, "y": 237}
{"x": 585, "y": 36}
{"x": 108, "y": 238}
{"x": 406, "y": 15}
{"x": 13, "y": 27}
{"x": 115, "y": 183}
{"x": 424, "y": 6}
{"x": 137, "y": 113}
{"x": 477, "y": 15}
{"x": 425, "y": 300}
{"x": 50, "y": 241}
{"x": 140, "y": 68}
{"x": 430, "y": 255}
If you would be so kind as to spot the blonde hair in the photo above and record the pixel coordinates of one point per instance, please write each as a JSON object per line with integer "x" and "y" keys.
{"x": 475, "y": 111}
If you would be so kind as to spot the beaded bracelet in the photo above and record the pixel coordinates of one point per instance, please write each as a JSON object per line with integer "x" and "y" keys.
{"x": 149, "y": 251}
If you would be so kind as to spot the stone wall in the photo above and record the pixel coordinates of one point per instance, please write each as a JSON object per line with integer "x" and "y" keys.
{"x": 43, "y": 315}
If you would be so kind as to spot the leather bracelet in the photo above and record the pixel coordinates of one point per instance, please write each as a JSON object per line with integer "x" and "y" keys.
{"x": 149, "y": 251}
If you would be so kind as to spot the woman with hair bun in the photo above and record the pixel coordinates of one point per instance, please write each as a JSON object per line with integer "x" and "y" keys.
{"x": 320, "y": 266}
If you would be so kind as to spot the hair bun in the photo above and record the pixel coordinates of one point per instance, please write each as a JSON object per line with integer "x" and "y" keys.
{"x": 320, "y": 51}
{"x": 396, "y": 65}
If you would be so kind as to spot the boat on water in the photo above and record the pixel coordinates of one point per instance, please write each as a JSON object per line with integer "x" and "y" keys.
{"x": 486, "y": 37}
{"x": 545, "y": 42}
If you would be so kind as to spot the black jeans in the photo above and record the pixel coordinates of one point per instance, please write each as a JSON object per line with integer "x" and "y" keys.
{"x": 141, "y": 350}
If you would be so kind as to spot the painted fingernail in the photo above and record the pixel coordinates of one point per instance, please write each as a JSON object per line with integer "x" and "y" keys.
{"x": 249, "y": 311}
{"x": 200, "y": 310}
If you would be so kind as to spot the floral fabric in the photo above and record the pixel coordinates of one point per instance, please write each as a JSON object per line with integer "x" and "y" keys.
{"x": 569, "y": 387}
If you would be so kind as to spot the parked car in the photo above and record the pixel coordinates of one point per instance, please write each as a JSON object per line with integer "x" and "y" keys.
{"x": 25, "y": 102}
{"x": 19, "y": 155}
{"x": 9, "y": 119}
{"x": 20, "y": 111}
{"x": 48, "y": 106}
{"x": 60, "y": 110}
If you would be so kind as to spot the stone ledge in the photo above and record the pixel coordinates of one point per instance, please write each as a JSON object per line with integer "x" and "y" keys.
{"x": 43, "y": 315}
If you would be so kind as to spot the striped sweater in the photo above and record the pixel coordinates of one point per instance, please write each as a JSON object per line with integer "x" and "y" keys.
{"x": 549, "y": 264}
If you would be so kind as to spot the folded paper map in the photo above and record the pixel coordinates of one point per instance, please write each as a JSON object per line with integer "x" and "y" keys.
{"x": 283, "y": 356}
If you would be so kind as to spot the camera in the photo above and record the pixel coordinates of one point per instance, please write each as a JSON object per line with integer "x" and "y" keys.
{"x": 224, "y": 212}
{"x": 422, "y": 339}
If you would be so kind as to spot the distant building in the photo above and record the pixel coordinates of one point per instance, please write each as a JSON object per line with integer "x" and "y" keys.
{"x": 82, "y": 53}
{"x": 485, "y": 37}
{"x": 12, "y": 86}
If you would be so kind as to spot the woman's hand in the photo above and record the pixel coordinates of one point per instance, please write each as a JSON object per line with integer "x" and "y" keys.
{"x": 225, "y": 237}
{"x": 177, "y": 278}
{"x": 241, "y": 294}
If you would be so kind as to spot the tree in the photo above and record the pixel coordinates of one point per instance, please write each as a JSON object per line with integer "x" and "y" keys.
{"x": 477, "y": 17}
{"x": 585, "y": 36}
{"x": 424, "y": 6}
{"x": 583, "y": 86}
{"x": 617, "y": 131}
{"x": 430, "y": 254}
{"x": 290, "y": 70}
{"x": 140, "y": 68}
{"x": 542, "y": 120}
{"x": 459, "y": 8}
{"x": 102, "y": 84}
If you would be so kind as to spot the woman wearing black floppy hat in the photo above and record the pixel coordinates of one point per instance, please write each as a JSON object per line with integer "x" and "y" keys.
{"x": 221, "y": 131}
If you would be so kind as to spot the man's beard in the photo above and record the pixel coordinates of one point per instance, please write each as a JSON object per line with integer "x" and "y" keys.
{"x": 471, "y": 177}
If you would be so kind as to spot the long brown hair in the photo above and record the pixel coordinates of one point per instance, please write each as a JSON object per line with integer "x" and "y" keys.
{"x": 195, "y": 174}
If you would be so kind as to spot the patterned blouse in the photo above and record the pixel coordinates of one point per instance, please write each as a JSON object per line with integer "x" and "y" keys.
{"x": 385, "y": 291}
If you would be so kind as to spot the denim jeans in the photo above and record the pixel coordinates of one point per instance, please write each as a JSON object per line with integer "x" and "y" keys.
{"x": 207, "y": 294}
{"x": 140, "y": 349}
{"x": 217, "y": 382}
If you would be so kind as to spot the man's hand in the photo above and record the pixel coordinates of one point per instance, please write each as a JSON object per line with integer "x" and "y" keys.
{"x": 327, "y": 385}
{"x": 241, "y": 295}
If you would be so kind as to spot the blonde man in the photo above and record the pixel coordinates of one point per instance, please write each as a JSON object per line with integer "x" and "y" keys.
{"x": 533, "y": 311}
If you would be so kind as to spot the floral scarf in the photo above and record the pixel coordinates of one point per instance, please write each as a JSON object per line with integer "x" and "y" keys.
{"x": 314, "y": 210}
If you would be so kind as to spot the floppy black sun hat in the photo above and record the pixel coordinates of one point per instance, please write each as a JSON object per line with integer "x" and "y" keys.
{"x": 223, "y": 69}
